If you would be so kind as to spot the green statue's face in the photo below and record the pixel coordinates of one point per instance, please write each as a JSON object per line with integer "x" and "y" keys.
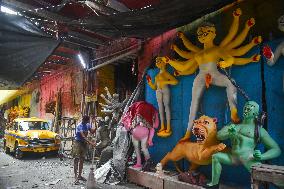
{"x": 251, "y": 110}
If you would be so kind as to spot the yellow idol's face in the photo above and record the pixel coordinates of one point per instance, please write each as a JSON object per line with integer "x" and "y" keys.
{"x": 206, "y": 34}
{"x": 160, "y": 63}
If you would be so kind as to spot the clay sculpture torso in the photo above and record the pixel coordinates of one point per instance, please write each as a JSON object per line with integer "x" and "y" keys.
{"x": 211, "y": 56}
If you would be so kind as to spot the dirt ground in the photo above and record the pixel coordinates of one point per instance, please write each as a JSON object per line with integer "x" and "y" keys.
{"x": 38, "y": 171}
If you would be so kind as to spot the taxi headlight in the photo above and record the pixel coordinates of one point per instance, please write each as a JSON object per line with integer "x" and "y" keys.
{"x": 23, "y": 142}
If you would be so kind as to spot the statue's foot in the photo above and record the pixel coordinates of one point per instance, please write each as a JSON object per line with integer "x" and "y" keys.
{"x": 164, "y": 133}
{"x": 161, "y": 130}
{"x": 234, "y": 116}
{"x": 137, "y": 166}
{"x": 168, "y": 130}
{"x": 159, "y": 168}
{"x": 212, "y": 185}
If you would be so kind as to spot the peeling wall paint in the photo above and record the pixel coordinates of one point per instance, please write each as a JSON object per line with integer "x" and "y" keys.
{"x": 69, "y": 81}
{"x": 34, "y": 109}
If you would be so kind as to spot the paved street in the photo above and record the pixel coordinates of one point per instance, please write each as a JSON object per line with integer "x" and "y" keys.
{"x": 35, "y": 171}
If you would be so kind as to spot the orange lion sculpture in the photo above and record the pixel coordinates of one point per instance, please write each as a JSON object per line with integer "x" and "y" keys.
{"x": 199, "y": 152}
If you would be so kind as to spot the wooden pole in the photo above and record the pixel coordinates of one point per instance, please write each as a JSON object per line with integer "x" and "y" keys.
{"x": 83, "y": 93}
{"x": 58, "y": 112}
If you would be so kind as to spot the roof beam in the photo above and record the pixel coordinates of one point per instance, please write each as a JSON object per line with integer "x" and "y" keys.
{"x": 56, "y": 62}
{"x": 99, "y": 7}
{"x": 84, "y": 38}
{"x": 58, "y": 59}
{"x": 49, "y": 66}
{"x": 67, "y": 50}
{"x": 117, "y": 58}
{"x": 64, "y": 55}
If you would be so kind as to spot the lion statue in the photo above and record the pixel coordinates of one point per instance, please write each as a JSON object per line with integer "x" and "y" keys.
{"x": 199, "y": 152}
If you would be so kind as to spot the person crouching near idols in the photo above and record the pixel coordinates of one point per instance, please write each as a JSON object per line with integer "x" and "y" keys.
{"x": 80, "y": 147}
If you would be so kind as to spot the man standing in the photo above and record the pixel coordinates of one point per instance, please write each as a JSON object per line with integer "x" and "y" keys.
{"x": 80, "y": 147}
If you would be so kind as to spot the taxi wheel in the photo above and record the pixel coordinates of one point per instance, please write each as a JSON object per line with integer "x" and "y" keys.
{"x": 6, "y": 149}
{"x": 18, "y": 153}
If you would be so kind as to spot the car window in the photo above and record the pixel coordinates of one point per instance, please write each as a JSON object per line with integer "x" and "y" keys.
{"x": 33, "y": 125}
{"x": 24, "y": 126}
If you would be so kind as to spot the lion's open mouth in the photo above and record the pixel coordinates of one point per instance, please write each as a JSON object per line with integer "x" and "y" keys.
{"x": 199, "y": 137}
{"x": 199, "y": 133}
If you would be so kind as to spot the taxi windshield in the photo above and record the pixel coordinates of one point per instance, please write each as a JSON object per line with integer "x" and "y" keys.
{"x": 33, "y": 125}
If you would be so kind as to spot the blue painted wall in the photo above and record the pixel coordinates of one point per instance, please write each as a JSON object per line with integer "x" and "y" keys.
{"x": 215, "y": 104}
{"x": 275, "y": 101}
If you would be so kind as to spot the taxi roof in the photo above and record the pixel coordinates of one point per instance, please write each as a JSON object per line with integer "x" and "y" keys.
{"x": 29, "y": 119}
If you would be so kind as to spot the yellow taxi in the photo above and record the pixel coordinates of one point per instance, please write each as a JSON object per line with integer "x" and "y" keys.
{"x": 30, "y": 135}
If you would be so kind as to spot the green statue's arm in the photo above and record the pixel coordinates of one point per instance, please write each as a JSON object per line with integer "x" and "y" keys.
{"x": 270, "y": 144}
{"x": 223, "y": 134}
{"x": 229, "y": 131}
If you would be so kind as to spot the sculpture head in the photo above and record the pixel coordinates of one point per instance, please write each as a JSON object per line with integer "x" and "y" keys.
{"x": 206, "y": 33}
{"x": 99, "y": 121}
{"x": 115, "y": 97}
{"x": 204, "y": 129}
{"x": 281, "y": 23}
{"x": 160, "y": 63}
{"x": 251, "y": 110}
{"x": 107, "y": 119}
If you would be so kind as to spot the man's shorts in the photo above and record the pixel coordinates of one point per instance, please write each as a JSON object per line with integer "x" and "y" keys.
{"x": 79, "y": 149}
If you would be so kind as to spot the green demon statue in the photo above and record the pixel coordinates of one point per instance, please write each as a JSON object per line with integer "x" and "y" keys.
{"x": 244, "y": 138}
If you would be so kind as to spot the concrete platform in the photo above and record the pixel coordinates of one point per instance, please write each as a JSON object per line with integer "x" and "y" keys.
{"x": 155, "y": 181}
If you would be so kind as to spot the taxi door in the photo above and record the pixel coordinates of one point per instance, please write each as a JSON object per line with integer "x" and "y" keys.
{"x": 13, "y": 133}
{"x": 7, "y": 135}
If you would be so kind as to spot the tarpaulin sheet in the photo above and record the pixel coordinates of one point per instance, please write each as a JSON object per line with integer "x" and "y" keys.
{"x": 151, "y": 21}
{"x": 23, "y": 48}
